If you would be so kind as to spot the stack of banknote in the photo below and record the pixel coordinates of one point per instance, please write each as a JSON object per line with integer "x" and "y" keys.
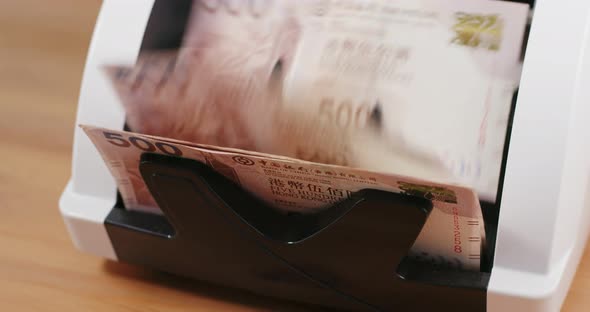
{"x": 303, "y": 103}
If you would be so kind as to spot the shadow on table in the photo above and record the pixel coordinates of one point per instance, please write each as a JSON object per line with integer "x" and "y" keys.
{"x": 203, "y": 289}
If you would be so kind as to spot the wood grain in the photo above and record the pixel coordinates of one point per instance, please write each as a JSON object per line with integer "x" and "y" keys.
{"x": 43, "y": 46}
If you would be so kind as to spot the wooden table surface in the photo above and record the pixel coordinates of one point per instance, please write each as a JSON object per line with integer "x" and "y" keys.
{"x": 43, "y": 45}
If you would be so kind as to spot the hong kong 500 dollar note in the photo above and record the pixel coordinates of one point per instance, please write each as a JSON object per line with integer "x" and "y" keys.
{"x": 452, "y": 236}
{"x": 414, "y": 87}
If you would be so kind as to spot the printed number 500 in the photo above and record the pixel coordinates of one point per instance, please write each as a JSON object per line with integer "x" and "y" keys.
{"x": 344, "y": 114}
{"x": 142, "y": 144}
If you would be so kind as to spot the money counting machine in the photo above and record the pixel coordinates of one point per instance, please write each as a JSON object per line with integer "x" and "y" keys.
{"x": 352, "y": 256}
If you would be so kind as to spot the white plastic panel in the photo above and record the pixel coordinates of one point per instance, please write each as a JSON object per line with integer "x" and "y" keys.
{"x": 544, "y": 216}
{"x": 538, "y": 144}
{"x": 117, "y": 40}
{"x": 91, "y": 192}
{"x": 576, "y": 170}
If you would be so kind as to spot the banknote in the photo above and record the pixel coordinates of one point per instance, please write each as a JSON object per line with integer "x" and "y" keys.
{"x": 451, "y": 237}
{"x": 442, "y": 74}
{"x": 157, "y": 100}
{"x": 420, "y": 88}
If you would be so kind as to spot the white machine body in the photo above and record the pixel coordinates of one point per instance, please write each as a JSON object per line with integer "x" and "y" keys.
{"x": 545, "y": 208}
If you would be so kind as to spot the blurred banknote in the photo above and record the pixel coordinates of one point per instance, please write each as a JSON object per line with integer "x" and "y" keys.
{"x": 418, "y": 88}
{"x": 452, "y": 236}
{"x": 402, "y": 95}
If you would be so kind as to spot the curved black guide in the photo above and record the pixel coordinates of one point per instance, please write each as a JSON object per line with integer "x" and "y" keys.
{"x": 351, "y": 255}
